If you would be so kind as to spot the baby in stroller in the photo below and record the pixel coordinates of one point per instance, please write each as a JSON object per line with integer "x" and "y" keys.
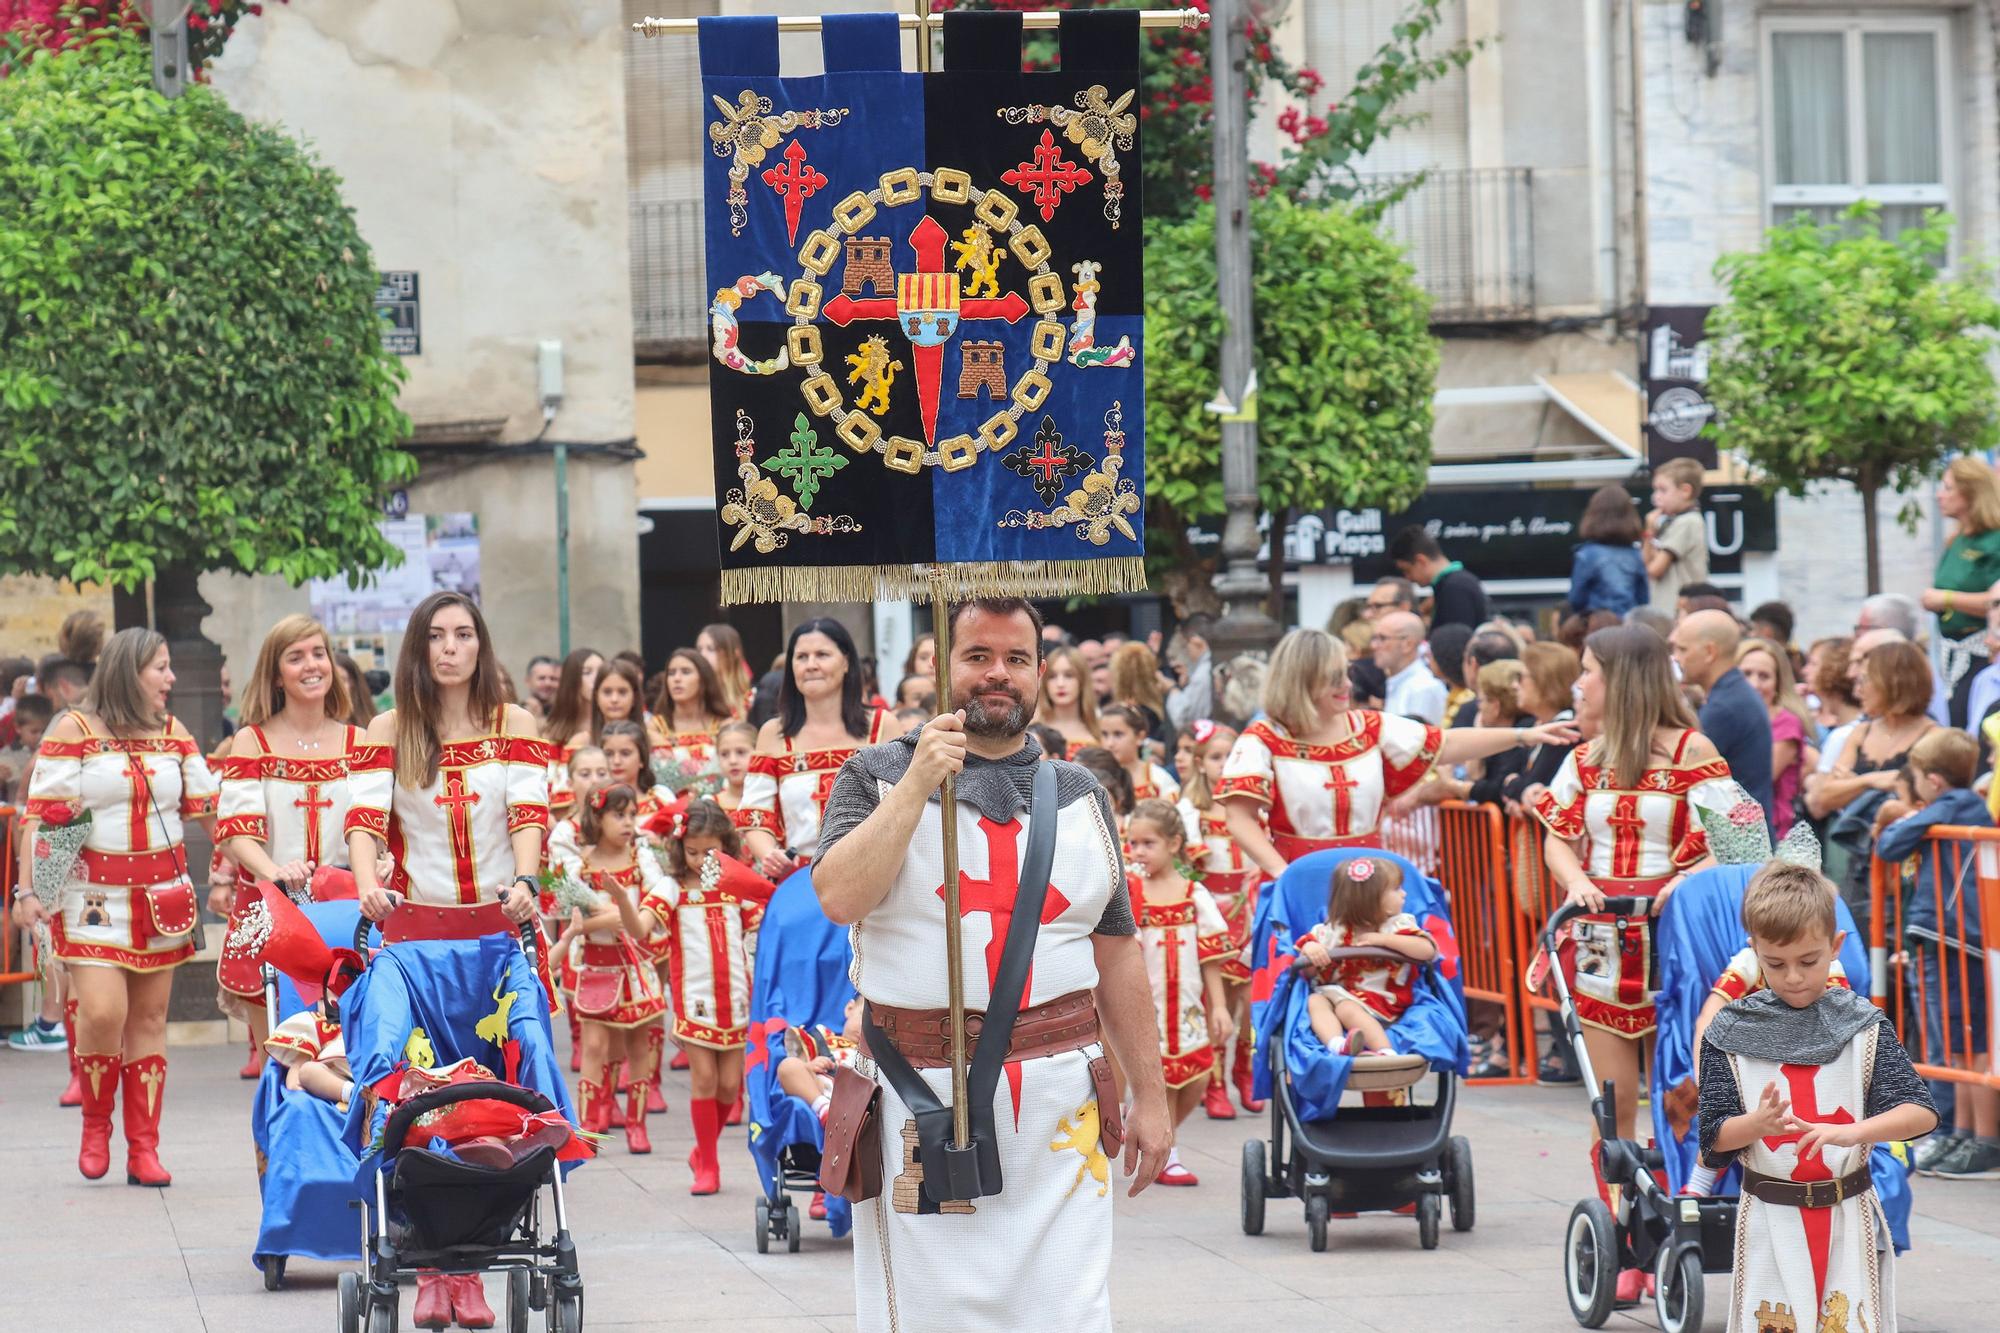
{"x": 1356, "y": 998}
{"x": 813, "y": 1053}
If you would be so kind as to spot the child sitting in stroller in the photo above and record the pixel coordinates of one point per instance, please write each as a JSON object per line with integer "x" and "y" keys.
{"x": 1356, "y": 999}
{"x": 813, "y": 1053}
{"x": 314, "y": 1057}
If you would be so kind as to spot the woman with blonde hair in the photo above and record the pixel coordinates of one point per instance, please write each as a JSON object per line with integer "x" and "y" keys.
{"x": 722, "y": 648}
{"x": 1768, "y": 668}
{"x": 126, "y": 917}
{"x": 1136, "y": 683}
{"x": 1067, "y": 702}
{"x": 284, "y": 796}
{"x": 1323, "y": 771}
{"x": 1963, "y": 587}
{"x": 1620, "y": 822}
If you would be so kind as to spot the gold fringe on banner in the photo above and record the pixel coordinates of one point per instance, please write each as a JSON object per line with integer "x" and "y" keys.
{"x": 924, "y": 583}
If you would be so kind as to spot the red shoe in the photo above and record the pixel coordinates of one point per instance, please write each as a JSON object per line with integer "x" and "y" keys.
{"x": 624, "y": 1075}
{"x": 468, "y": 1300}
{"x": 1216, "y": 1102}
{"x": 72, "y": 1095}
{"x": 433, "y": 1307}
{"x": 612, "y": 1087}
{"x": 145, "y": 1098}
{"x": 636, "y": 1140}
{"x": 99, "y": 1084}
{"x": 706, "y": 1113}
{"x": 1245, "y": 1080}
{"x": 817, "y": 1212}
{"x": 656, "y": 1102}
{"x": 594, "y": 1107}
{"x": 1176, "y": 1174}
{"x": 575, "y": 1042}
{"x": 253, "y": 1068}
{"x": 735, "y": 1116}
{"x": 656, "y": 1042}
{"x": 680, "y": 1061}
{"x": 1631, "y": 1286}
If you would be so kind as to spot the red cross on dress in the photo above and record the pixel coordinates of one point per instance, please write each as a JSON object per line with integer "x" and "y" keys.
{"x": 457, "y": 802}
{"x": 312, "y": 805}
{"x": 1628, "y": 826}
{"x": 1342, "y": 786}
{"x": 995, "y": 896}
{"x": 1800, "y": 1080}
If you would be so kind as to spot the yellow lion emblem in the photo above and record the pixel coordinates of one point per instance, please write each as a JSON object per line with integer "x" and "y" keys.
{"x": 977, "y": 253}
{"x": 1082, "y": 1138}
{"x": 873, "y": 366}
{"x": 493, "y": 1027}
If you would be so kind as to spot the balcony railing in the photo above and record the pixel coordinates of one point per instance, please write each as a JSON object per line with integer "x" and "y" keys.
{"x": 669, "y": 307}
{"x": 1471, "y": 236}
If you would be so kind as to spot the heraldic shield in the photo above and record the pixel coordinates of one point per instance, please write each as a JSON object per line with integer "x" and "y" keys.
{"x": 927, "y": 324}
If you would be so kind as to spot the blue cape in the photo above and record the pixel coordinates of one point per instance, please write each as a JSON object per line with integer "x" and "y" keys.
{"x": 1433, "y": 1026}
{"x": 455, "y": 992}
{"x": 307, "y": 1169}
{"x": 800, "y": 979}
{"x": 1700, "y": 930}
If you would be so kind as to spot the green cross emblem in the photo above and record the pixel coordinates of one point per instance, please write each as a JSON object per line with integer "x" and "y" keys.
{"x": 805, "y": 462}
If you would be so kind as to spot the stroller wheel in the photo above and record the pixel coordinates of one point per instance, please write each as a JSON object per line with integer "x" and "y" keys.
{"x": 792, "y": 1228}
{"x": 1590, "y": 1263}
{"x": 274, "y": 1270}
{"x": 1317, "y": 1209}
{"x": 1678, "y": 1291}
{"x": 1253, "y": 1187}
{"x": 1458, "y": 1180}
{"x": 1429, "y": 1210}
{"x": 347, "y": 1291}
{"x": 763, "y": 1225}
{"x": 382, "y": 1317}
{"x": 517, "y": 1300}
{"x": 566, "y": 1311}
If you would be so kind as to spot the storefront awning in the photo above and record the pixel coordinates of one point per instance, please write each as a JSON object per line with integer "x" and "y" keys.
{"x": 1596, "y": 438}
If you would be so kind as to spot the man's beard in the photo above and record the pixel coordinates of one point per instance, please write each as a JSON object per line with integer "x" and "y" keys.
{"x": 982, "y": 721}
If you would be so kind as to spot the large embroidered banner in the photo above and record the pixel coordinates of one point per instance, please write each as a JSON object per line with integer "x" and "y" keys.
{"x": 927, "y": 328}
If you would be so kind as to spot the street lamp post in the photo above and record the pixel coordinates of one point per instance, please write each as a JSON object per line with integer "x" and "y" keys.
{"x": 167, "y": 21}
{"x": 1245, "y": 626}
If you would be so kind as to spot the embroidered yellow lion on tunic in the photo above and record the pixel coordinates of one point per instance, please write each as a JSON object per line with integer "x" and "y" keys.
{"x": 1082, "y": 1138}
{"x": 977, "y": 253}
{"x": 873, "y": 366}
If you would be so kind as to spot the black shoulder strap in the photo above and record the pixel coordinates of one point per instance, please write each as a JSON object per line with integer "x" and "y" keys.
{"x": 1003, "y": 1005}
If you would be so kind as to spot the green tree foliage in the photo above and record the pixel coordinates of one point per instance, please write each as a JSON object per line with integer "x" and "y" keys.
{"x": 1844, "y": 356}
{"x": 1346, "y": 368}
{"x": 191, "y": 367}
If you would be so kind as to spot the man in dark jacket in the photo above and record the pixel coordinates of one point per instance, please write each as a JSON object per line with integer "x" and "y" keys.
{"x": 1457, "y": 595}
{"x": 1735, "y": 717}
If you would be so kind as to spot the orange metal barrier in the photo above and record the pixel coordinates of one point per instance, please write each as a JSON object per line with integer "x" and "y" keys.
{"x": 13, "y": 959}
{"x": 1471, "y": 863}
{"x": 1935, "y": 977}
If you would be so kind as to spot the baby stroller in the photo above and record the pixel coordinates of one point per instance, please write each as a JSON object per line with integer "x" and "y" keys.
{"x": 1390, "y": 1154}
{"x": 800, "y": 980}
{"x": 451, "y": 988}
{"x": 305, "y": 1169}
{"x": 1674, "y": 1239}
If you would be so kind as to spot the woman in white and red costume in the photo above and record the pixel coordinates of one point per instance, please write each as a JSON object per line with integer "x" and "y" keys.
{"x": 821, "y": 722}
{"x": 690, "y": 709}
{"x": 454, "y": 783}
{"x": 283, "y": 809}
{"x": 126, "y": 917}
{"x": 1323, "y": 771}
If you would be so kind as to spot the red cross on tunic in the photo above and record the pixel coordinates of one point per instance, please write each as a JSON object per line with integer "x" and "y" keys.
{"x": 995, "y": 896}
{"x": 795, "y": 183}
{"x": 1627, "y": 829}
{"x": 1342, "y": 786}
{"x": 1801, "y": 1082}
{"x": 928, "y": 240}
{"x": 312, "y": 805}
{"x": 139, "y": 804}
{"x": 457, "y": 802}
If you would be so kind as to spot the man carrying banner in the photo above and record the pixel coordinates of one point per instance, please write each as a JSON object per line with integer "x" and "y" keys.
{"x": 1036, "y": 1249}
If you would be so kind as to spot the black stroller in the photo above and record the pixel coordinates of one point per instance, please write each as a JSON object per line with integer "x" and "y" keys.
{"x": 424, "y": 1209}
{"x": 1390, "y": 1154}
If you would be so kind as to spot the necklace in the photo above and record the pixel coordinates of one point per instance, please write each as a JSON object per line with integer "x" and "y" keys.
{"x": 310, "y": 746}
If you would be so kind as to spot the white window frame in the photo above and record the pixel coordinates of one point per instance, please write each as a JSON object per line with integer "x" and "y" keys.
{"x": 1852, "y": 28}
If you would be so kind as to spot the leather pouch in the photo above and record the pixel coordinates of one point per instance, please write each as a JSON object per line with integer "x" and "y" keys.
{"x": 1110, "y": 1116}
{"x": 850, "y": 1162}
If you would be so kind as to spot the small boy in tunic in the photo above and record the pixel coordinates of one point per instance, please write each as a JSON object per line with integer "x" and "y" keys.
{"x": 1829, "y": 1080}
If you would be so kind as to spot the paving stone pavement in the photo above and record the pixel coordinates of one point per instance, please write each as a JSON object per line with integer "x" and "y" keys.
{"x": 105, "y": 1257}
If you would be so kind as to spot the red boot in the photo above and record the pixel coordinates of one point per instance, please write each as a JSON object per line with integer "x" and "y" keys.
{"x": 817, "y": 1212}
{"x": 636, "y": 1141}
{"x": 253, "y": 1067}
{"x": 614, "y": 1083}
{"x": 1246, "y": 1081}
{"x": 468, "y": 1300}
{"x": 1216, "y": 1100}
{"x": 433, "y": 1307}
{"x": 594, "y": 1106}
{"x": 679, "y": 1063}
{"x": 706, "y": 1113}
{"x": 735, "y": 1116}
{"x": 656, "y": 1042}
{"x": 99, "y": 1080}
{"x": 575, "y": 1042}
{"x": 145, "y": 1098}
{"x": 73, "y": 1094}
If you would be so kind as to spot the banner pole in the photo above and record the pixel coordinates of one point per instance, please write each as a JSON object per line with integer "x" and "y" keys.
{"x": 926, "y": 22}
{"x": 922, "y": 10}
{"x": 954, "y": 946}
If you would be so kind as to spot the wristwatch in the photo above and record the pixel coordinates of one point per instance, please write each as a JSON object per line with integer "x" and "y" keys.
{"x": 533, "y": 885}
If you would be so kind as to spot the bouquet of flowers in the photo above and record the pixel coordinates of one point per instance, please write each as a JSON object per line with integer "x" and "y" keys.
{"x": 1738, "y": 835}
{"x": 568, "y": 893}
{"x": 58, "y": 843}
{"x": 687, "y": 778}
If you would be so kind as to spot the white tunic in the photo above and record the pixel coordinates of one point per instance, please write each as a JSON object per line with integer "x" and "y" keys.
{"x": 786, "y": 795}
{"x": 707, "y": 932}
{"x": 1328, "y": 795}
{"x": 1039, "y": 1253}
{"x": 296, "y": 806}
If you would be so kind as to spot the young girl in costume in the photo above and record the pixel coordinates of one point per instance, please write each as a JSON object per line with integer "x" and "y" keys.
{"x": 1231, "y": 879}
{"x": 1357, "y": 999}
{"x": 625, "y": 755}
{"x": 709, "y": 906}
{"x": 617, "y": 995}
{"x": 735, "y": 743}
{"x": 1124, "y": 729}
{"x": 813, "y": 1053}
{"x": 585, "y": 772}
{"x": 1111, "y": 776}
{"x": 1185, "y": 942}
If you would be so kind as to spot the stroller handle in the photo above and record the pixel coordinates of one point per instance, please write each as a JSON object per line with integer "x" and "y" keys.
{"x": 1630, "y": 905}
{"x": 1303, "y": 964}
{"x": 527, "y": 932}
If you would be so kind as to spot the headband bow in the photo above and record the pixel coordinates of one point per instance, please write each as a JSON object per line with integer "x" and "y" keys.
{"x": 1201, "y": 729}
{"x": 597, "y": 798}
{"x": 1360, "y": 868}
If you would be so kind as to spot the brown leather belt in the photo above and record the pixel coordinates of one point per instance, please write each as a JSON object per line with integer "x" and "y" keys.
{"x": 1067, "y": 1023}
{"x": 1807, "y": 1193}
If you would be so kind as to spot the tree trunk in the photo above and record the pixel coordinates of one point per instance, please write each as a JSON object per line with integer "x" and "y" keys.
{"x": 1871, "y": 531}
{"x": 197, "y": 703}
{"x": 1274, "y": 604}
